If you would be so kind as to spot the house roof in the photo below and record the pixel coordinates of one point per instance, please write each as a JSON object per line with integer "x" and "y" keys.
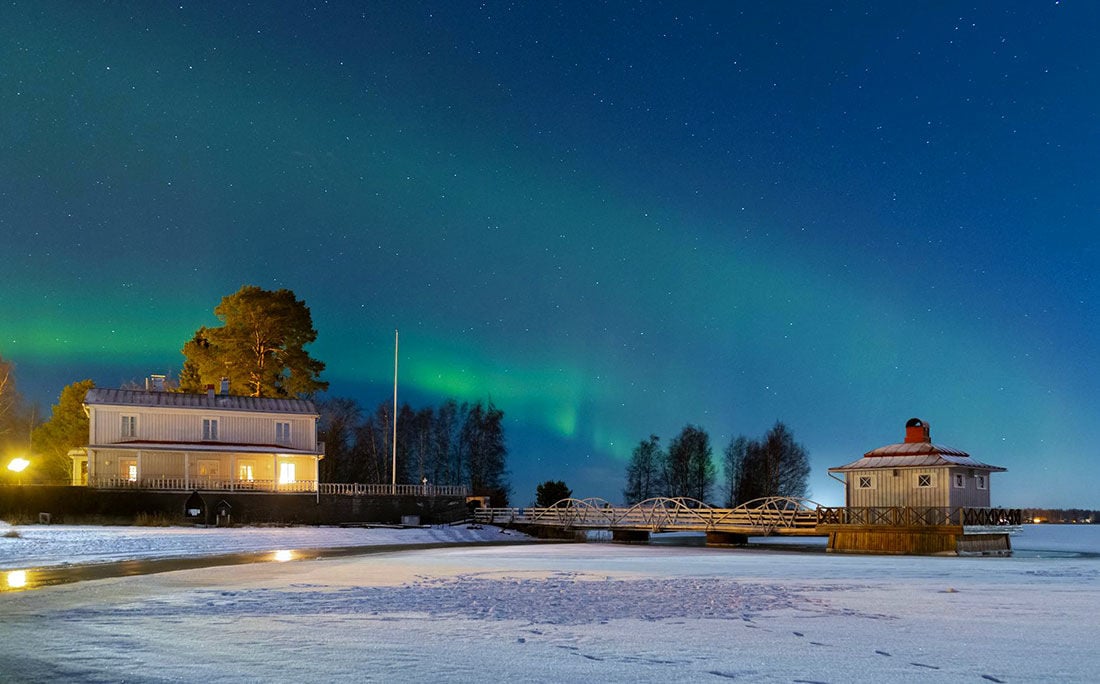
{"x": 916, "y": 455}
{"x": 218, "y": 402}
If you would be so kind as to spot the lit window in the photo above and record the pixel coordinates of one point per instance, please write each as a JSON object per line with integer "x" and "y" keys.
{"x": 210, "y": 429}
{"x": 282, "y": 433}
{"x": 286, "y": 473}
{"x": 924, "y": 480}
{"x": 129, "y": 426}
{"x": 865, "y": 482}
{"x": 131, "y": 472}
{"x": 245, "y": 471}
{"x": 208, "y": 468}
{"x": 980, "y": 481}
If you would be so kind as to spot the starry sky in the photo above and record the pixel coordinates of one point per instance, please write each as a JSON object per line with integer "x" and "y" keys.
{"x": 610, "y": 218}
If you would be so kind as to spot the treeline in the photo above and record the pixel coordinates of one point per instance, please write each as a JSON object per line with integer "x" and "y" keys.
{"x": 774, "y": 465}
{"x": 453, "y": 444}
{"x": 1061, "y": 515}
{"x": 16, "y": 415}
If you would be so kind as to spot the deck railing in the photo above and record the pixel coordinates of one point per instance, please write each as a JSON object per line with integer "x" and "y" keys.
{"x": 180, "y": 484}
{"x": 909, "y": 516}
{"x": 356, "y": 489}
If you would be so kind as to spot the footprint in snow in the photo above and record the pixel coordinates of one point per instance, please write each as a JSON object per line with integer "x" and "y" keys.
{"x": 882, "y": 653}
{"x": 727, "y": 675}
{"x": 798, "y": 634}
{"x": 993, "y": 679}
{"x": 930, "y": 667}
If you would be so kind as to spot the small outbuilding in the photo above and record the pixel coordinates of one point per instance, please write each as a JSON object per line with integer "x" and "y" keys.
{"x": 916, "y": 497}
{"x": 916, "y": 473}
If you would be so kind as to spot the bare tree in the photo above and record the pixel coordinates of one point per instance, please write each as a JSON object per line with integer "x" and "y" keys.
{"x": 644, "y": 474}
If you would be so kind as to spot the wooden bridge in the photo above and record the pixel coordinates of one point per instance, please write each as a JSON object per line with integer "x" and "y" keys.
{"x": 762, "y": 517}
{"x": 883, "y": 530}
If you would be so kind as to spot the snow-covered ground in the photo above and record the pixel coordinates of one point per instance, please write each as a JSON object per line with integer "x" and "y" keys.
{"x": 533, "y": 613}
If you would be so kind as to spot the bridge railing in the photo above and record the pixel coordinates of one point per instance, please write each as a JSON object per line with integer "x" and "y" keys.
{"x": 765, "y": 516}
{"x": 660, "y": 514}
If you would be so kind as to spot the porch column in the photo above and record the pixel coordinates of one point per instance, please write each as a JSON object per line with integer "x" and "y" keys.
{"x": 137, "y": 479}
{"x": 187, "y": 470}
{"x": 274, "y": 472}
{"x": 232, "y": 471}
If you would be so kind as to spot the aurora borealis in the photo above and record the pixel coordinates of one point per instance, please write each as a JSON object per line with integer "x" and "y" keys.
{"x": 612, "y": 219}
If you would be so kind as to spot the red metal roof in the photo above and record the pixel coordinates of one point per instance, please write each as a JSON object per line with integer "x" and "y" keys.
{"x": 916, "y": 455}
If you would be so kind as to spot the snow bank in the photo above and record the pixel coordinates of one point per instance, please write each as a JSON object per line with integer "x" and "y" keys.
{"x": 51, "y": 545}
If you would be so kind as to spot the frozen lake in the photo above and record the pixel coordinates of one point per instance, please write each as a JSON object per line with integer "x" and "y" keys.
{"x": 597, "y": 611}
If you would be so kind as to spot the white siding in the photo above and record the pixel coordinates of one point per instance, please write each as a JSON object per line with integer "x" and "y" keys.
{"x": 899, "y": 487}
{"x": 185, "y": 425}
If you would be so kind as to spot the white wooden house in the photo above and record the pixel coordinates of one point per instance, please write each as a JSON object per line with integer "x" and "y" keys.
{"x": 916, "y": 473}
{"x": 174, "y": 441}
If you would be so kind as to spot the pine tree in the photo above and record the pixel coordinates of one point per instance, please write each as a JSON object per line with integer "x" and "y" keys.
{"x": 260, "y": 347}
{"x": 66, "y": 429}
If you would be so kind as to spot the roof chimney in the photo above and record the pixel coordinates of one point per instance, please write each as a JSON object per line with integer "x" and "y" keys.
{"x": 154, "y": 383}
{"x": 225, "y": 386}
{"x": 210, "y": 391}
{"x": 917, "y": 430}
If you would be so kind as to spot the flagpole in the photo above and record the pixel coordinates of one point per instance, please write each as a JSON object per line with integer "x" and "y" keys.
{"x": 393, "y": 465}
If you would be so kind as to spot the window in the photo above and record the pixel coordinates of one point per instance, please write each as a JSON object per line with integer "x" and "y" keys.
{"x": 129, "y": 426}
{"x": 210, "y": 429}
{"x": 286, "y": 473}
{"x": 208, "y": 468}
{"x": 865, "y": 482}
{"x": 282, "y": 433}
{"x": 129, "y": 469}
{"x": 245, "y": 471}
{"x": 960, "y": 481}
{"x": 981, "y": 482}
{"x": 924, "y": 480}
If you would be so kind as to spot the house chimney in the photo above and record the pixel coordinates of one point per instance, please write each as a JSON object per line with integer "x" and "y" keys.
{"x": 210, "y": 391}
{"x": 917, "y": 430}
{"x": 225, "y": 386}
{"x": 154, "y": 383}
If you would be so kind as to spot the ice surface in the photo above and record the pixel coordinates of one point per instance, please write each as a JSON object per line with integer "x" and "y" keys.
{"x": 552, "y": 613}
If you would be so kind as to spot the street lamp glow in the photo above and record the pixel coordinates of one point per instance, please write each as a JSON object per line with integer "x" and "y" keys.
{"x": 18, "y": 465}
{"x": 17, "y": 579}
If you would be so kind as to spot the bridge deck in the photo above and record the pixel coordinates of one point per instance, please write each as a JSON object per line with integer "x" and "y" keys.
{"x": 762, "y": 517}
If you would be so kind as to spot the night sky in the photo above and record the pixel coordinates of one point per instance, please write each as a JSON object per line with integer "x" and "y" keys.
{"x": 610, "y": 218}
